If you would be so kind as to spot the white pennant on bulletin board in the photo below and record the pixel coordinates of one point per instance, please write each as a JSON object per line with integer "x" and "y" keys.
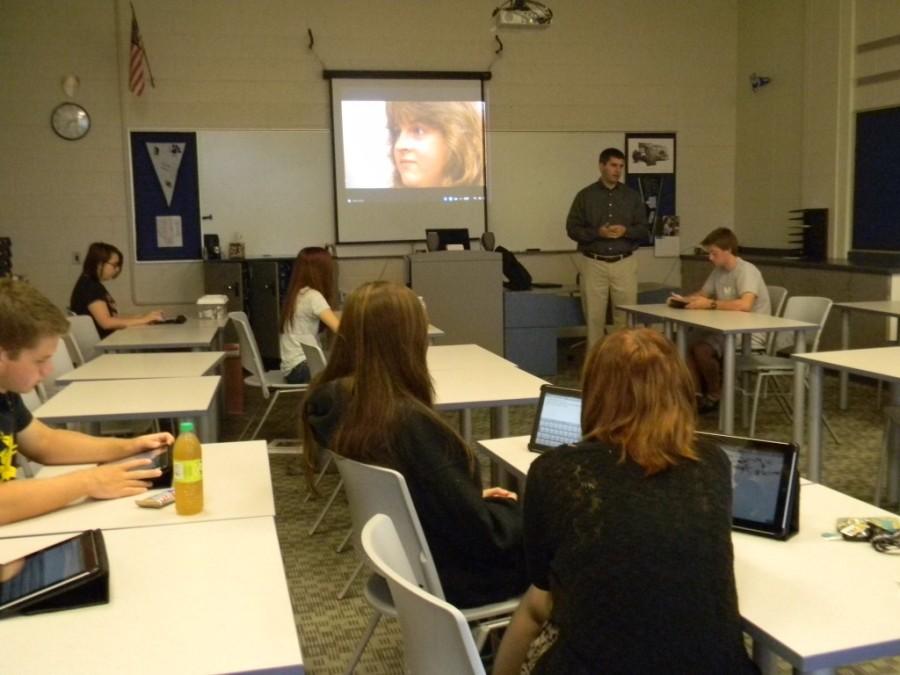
{"x": 166, "y": 158}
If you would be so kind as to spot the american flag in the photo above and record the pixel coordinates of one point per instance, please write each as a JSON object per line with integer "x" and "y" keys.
{"x": 138, "y": 57}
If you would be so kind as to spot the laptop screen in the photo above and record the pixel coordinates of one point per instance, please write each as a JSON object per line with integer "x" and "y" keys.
{"x": 558, "y": 418}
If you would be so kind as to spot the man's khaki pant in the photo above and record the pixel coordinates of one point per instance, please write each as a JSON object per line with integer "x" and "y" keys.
{"x": 601, "y": 281}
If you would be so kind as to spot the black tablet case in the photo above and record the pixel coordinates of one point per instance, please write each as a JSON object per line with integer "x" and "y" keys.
{"x": 91, "y": 590}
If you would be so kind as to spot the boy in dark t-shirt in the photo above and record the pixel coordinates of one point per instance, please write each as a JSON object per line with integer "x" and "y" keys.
{"x": 30, "y": 329}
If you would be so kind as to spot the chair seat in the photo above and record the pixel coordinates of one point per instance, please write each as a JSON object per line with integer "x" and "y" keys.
{"x": 274, "y": 380}
{"x": 760, "y": 362}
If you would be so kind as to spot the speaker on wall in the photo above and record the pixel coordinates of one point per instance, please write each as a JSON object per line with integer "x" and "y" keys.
{"x": 487, "y": 241}
{"x": 211, "y": 247}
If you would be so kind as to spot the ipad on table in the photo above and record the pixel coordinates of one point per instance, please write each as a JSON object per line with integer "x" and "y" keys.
{"x": 765, "y": 482}
{"x": 71, "y": 573}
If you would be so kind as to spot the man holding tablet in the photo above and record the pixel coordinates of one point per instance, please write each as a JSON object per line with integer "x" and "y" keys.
{"x": 608, "y": 221}
{"x": 30, "y": 328}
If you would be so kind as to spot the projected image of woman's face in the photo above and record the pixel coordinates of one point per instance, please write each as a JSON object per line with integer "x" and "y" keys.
{"x": 420, "y": 155}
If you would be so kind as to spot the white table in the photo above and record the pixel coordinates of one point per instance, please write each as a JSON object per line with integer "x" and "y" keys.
{"x": 196, "y": 334}
{"x": 881, "y": 363}
{"x": 453, "y": 357}
{"x": 481, "y": 380}
{"x": 208, "y": 598}
{"x": 817, "y": 604}
{"x": 730, "y": 324}
{"x": 184, "y": 398}
{"x": 237, "y": 483}
{"x": 145, "y": 365}
{"x": 886, "y": 308}
{"x": 513, "y": 456}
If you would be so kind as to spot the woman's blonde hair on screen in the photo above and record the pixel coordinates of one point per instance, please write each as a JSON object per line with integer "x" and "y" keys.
{"x": 462, "y": 126}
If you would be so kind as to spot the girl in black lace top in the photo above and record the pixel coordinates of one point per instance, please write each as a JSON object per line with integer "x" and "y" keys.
{"x": 628, "y": 533}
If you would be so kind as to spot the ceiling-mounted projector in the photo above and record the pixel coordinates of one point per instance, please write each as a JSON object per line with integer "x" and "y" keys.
{"x": 522, "y": 14}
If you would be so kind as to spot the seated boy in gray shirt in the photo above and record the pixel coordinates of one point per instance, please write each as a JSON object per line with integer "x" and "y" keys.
{"x": 733, "y": 285}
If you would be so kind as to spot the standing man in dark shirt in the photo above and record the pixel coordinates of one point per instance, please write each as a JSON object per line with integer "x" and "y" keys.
{"x": 609, "y": 221}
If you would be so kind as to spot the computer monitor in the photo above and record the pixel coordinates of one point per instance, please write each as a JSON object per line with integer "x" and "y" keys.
{"x": 439, "y": 239}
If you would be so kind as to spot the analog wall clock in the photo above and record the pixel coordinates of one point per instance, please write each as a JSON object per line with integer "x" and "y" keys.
{"x": 70, "y": 121}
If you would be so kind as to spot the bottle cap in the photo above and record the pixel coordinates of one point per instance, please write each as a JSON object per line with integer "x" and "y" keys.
{"x": 186, "y": 427}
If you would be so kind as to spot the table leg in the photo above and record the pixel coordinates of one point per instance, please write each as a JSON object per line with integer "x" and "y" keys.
{"x": 630, "y": 319}
{"x": 667, "y": 330}
{"x": 206, "y": 431}
{"x": 726, "y": 411}
{"x": 893, "y": 465}
{"x": 500, "y": 422}
{"x": 765, "y": 658}
{"x": 213, "y": 416}
{"x": 845, "y": 344}
{"x": 768, "y": 662}
{"x": 814, "y": 466}
{"x": 799, "y": 387}
{"x": 746, "y": 350}
{"x": 465, "y": 422}
{"x": 680, "y": 339}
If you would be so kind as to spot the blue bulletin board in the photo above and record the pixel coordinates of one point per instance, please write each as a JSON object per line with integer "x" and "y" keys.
{"x": 166, "y": 195}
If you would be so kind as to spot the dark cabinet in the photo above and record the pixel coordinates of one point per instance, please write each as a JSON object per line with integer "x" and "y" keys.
{"x": 255, "y": 286}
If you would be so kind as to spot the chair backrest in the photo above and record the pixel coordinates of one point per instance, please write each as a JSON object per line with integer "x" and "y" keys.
{"x": 809, "y": 308}
{"x": 315, "y": 357}
{"x": 777, "y": 297}
{"x": 436, "y": 637}
{"x": 62, "y": 364}
{"x": 251, "y": 360}
{"x": 373, "y": 489}
{"x": 84, "y": 338}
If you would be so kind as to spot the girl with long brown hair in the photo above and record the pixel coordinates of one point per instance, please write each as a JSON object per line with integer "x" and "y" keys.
{"x": 628, "y": 533}
{"x": 374, "y": 404}
{"x": 307, "y": 303}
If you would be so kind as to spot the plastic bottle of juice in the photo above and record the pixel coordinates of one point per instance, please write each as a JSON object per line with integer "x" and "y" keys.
{"x": 188, "y": 471}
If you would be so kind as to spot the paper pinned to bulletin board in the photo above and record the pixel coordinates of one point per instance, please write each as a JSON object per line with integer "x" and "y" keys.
{"x": 166, "y": 195}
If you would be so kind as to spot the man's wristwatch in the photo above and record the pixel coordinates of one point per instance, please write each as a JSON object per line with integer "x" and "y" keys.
{"x": 714, "y": 305}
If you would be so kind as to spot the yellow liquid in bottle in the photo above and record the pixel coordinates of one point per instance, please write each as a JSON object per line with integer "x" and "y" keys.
{"x": 187, "y": 476}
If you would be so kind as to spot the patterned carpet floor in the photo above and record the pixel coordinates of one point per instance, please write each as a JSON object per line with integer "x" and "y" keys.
{"x": 330, "y": 628}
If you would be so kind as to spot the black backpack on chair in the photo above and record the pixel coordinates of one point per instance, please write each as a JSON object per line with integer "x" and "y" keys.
{"x": 518, "y": 278}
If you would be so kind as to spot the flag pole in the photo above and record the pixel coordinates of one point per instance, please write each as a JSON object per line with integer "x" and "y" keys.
{"x": 143, "y": 50}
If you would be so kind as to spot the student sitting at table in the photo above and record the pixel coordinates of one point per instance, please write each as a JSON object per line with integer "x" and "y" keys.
{"x": 733, "y": 285}
{"x": 103, "y": 262}
{"x": 29, "y": 331}
{"x": 628, "y": 533}
{"x": 306, "y": 304}
{"x": 374, "y": 404}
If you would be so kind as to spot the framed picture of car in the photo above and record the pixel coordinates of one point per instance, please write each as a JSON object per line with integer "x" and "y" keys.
{"x": 650, "y": 153}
